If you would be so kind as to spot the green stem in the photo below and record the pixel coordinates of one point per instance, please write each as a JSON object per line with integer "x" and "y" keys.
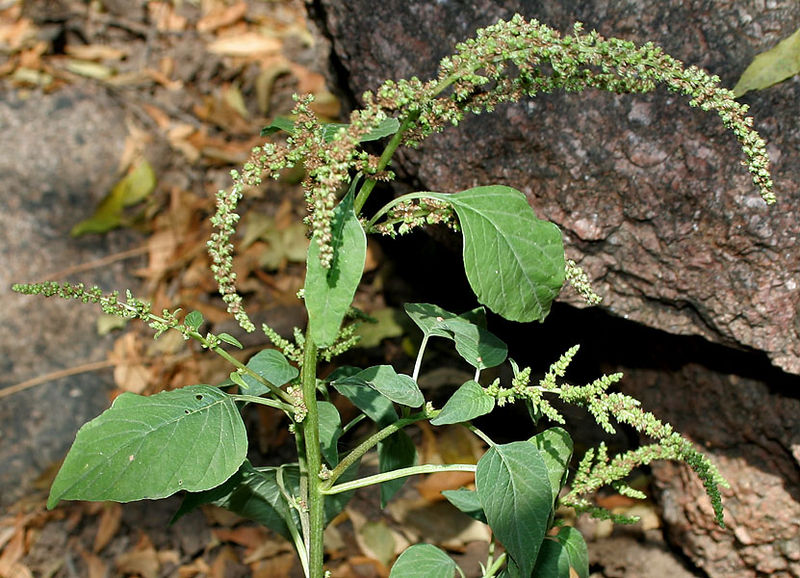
{"x": 276, "y": 391}
{"x": 395, "y": 474}
{"x": 383, "y": 162}
{"x": 358, "y": 452}
{"x": 394, "y": 202}
{"x": 263, "y": 401}
{"x": 309, "y": 427}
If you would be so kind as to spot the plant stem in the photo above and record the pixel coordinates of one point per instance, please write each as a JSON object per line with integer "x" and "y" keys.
{"x": 309, "y": 427}
{"x": 263, "y": 401}
{"x": 367, "y": 445}
{"x": 276, "y": 391}
{"x": 400, "y": 473}
{"x": 383, "y": 162}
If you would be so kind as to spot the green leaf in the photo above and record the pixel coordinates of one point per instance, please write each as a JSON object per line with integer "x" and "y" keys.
{"x": 386, "y": 128}
{"x": 474, "y": 343}
{"x": 397, "y": 387}
{"x": 514, "y": 490}
{"x": 552, "y": 561}
{"x": 563, "y": 556}
{"x": 151, "y": 447}
{"x": 514, "y": 261}
{"x": 131, "y": 189}
{"x": 272, "y": 366}
{"x": 230, "y": 340}
{"x": 423, "y": 561}
{"x": 251, "y": 493}
{"x": 395, "y": 452}
{"x": 577, "y": 552}
{"x": 378, "y": 408}
{"x": 555, "y": 447}
{"x": 772, "y": 66}
{"x": 329, "y": 292}
{"x": 330, "y": 430}
{"x": 468, "y": 402}
{"x": 194, "y": 320}
{"x": 429, "y": 318}
{"x": 279, "y": 123}
{"x": 467, "y": 501}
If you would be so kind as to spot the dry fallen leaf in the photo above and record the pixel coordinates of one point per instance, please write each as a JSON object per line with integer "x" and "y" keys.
{"x": 249, "y": 45}
{"x": 95, "y": 52}
{"x": 221, "y": 15}
{"x": 142, "y": 560}
{"x": 108, "y": 526}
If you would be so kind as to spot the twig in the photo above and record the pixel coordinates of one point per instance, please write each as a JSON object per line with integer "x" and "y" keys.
{"x": 102, "y": 262}
{"x": 85, "y": 368}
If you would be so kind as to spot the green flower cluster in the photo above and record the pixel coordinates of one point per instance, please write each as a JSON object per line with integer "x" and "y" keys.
{"x": 505, "y": 62}
{"x": 597, "y": 469}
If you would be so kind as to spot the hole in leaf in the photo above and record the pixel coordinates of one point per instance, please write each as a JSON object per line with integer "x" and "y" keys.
{"x": 198, "y": 397}
{"x": 186, "y": 411}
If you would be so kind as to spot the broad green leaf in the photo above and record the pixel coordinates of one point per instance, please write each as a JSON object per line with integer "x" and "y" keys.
{"x": 514, "y": 261}
{"x": 563, "y": 556}
{"x": 577, "y": 552}
{"x": 467, "y": 501}
{"x": 272, "y": 366}
{"x": 131, "y": 189}
{"x": 396, "y": 387}
{"x": 230, "y": 340}
{"x": 772, "y": 66}
{"x": 194, "y": 320}
{"x": 552, "y": 561}
{"x": 429, "y": 318}
{"x": 555, "y": 447}
{"x": 329, "y": 292}
{"x": 395, "y": 452}
{"x": 386, "y": 128}
{"x": 151, "y": 447}
{"x": 474, "y": 343}
{"x": 330, "y": 430}
{"x": 423, "y": 561}
{"x": 468, "y": 402}
{"x": 514, "y": 490}
{"x": 251, "y": 493}
{"x": 378, "y": 408}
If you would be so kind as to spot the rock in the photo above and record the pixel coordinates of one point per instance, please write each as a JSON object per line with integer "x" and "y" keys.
{"x": 655, "y": 205}
{"x": 59, "y": 155}
{"x": 651, "y": 194}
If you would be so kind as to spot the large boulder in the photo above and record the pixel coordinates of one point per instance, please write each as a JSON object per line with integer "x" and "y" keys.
{"x": 655, "y": 205}
{"x": 651, "y": 195}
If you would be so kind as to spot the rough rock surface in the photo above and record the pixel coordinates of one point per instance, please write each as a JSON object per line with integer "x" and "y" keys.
{"x": 59, "y": 155}
{"x": 655, "y": 204}
{"x": 650, "y": 194}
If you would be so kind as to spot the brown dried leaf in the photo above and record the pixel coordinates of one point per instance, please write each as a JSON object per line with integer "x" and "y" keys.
{"x": 164, "y": 16}
{"x": 95, "y": 52}
{"x": 142, "y": 560}
{"x": 432, "y": 486}
{"x": 220, "y": 16}
{"x": 97, "y": 568}
{"x": 248, "y": 45}
{"x": 108, "y": 526}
